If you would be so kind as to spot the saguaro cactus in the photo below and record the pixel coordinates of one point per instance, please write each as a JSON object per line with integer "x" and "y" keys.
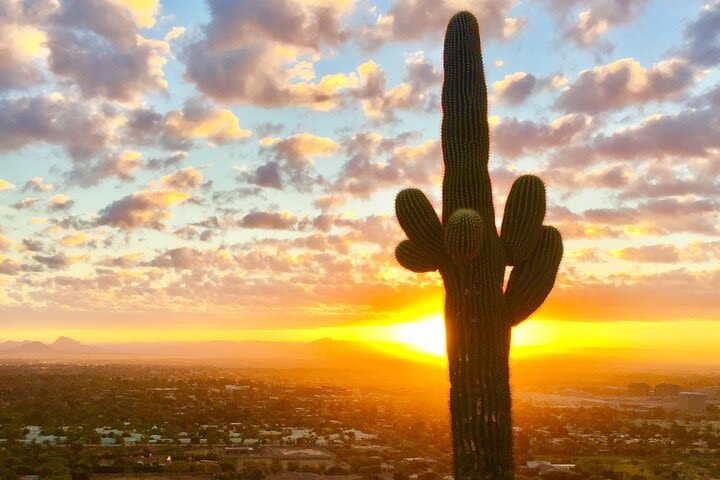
{"x": 471, "y": 257}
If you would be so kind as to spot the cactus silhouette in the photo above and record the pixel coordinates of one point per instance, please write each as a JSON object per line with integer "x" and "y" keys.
{"x": 471, "y": 258}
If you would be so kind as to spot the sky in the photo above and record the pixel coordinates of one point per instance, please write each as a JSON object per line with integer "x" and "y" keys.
{"x": 227, "y": 169}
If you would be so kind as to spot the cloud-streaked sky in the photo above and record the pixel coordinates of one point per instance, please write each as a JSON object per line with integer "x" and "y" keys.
{"x": 231, "y": 164}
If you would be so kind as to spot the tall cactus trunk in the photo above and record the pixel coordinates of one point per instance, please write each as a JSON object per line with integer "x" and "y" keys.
{"x": 478, "y": 348}
{"x": 471, "y": 257}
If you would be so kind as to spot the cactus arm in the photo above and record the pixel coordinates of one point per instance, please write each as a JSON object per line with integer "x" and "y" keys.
{"x": 530, "y": 282}
{"x": 464, "y": 233}
{"x": 418, "y": 219}
{"x": 522, "y": 221}
{"x": 465, "y": 131}
{"x": 414, "y": 258}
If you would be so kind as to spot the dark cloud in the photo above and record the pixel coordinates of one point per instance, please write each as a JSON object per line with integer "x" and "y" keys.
{"x": 80, "y": 127}
{"x": 33, "y": 245}
{"x": 686, "y": 133}
{"x": 514, "y": 88}
{"x": 101, "y": 68}
{"x": 58, "y": 261}
{"x": 269, "y": 220}
{"x": 120, "y": 165}
{"x": 144, "y": 209}
{"x": 172, "y": 160}
{"x": 702, "y": 36}
{"x": 25, "y": 203}
{"x": 290, "y": 162}
{"x": 561, "y": 132}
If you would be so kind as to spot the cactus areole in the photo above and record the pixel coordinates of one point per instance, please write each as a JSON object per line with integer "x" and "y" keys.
{"x": 471, "y": 258}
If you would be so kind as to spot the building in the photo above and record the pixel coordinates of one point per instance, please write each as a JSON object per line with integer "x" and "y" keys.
{"x": 301, "y": 455}
{"x": 666, "y": 390}
{"x": 691, "y": 402}
{"x": 638, "y": 389}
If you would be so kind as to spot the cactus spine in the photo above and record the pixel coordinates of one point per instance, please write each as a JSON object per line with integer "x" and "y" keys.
{"x": 471, "y": 258}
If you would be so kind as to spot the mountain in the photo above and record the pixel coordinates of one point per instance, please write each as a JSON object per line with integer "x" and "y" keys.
{"x": 61, "y": 346}
{"x": 69, "y": 346}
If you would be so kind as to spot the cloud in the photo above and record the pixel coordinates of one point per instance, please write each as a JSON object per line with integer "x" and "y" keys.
{"x": 300, "y": 149}
{"x": 693, "y": 133}
{"x": 174, "y": 33}
{"x": 120, "y": 165}
{"x": 593, "y": 24}
{"x": 656, "y": 217}
{"x": 375, "y": 162}
{"x": 60, "y": 202}
{"x": 514, "y": 88}
{"x": 184, "y": 179}
{"x": 127, "y": 260}
{"x": 25, "y": 203}
{"x": 649, "y": 253}
{"x": 586, "y": 255}
{"x": 261, "y": 53}
{"x": 143, "y": 209}
{"x": 21, "y": 50}
{"x": 216, "y": 125}
{"x": 32, "y": 245}
{"x": 73, "y": 240}
{"x": 9, "y": 266}
{"x": 269, "y": 220}
{"x": 624, "y": 83}
{"x": 409, "y": 20}
{"x": 291, "y": 160}
{"x": 172, "y": 160}
{"x": 535, "y": 136}
{"x": 5, "y": 185}
{"x": 666, "y": 253}
{"x": 80, "y": 127}
{"x": 675, "y": 295}
{"x": 4, "y": 242}
{"x": 59, "y": 261}
{"x": 115, "y": 20}
{"x": 699, "y": 179}
{"x": 36, "y": 184}
{"x": 101, "y": 68}
{"x": 414, "y": 93}
{"x": 702, "y": 36}
{"x": 186, "y": 258}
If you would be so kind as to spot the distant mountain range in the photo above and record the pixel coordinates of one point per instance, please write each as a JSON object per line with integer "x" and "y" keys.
{"x": 318, "y": 352}
{"x": 357, "y": 361}
{"x": 61, "y": 346}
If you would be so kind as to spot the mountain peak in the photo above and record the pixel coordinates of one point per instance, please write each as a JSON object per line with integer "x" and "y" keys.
{"x": 62, "y": 340}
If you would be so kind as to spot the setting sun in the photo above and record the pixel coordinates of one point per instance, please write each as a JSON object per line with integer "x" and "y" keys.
{"x": 426, "y": 335}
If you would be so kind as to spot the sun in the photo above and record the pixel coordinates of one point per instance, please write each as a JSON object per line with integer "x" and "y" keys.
{"x": 425, "y": 335}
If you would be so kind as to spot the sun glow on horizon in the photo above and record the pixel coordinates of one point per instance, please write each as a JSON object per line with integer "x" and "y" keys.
{"x": 425, "y": 335}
